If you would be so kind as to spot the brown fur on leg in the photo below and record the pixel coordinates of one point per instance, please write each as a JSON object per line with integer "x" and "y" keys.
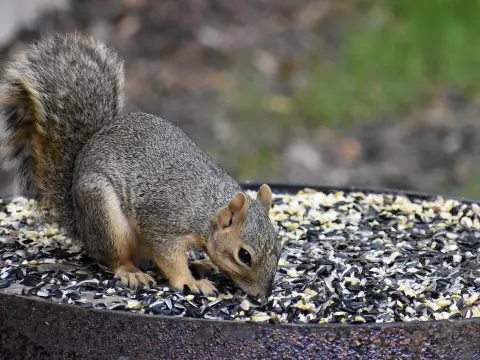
{"x": 174, "y": 266}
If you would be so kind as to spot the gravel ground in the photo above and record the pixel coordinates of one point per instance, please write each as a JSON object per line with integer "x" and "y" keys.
{"x": 347, "y": 258}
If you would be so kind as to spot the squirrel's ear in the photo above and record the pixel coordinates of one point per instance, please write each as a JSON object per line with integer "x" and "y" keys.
{"x": 264, "y": 196}
{"x": 238, "y": 207}
{"x": 235, "y": 211}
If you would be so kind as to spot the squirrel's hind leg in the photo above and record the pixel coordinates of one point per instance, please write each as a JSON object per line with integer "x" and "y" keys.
{"x": 106, "y": 231}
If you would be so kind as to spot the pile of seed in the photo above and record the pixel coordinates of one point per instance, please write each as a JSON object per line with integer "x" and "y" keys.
{"x": 347, "y": 257}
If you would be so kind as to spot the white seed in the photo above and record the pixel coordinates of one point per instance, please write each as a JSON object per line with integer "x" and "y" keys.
{"x": 292, "y": 273}
{"x": 452, "y": 236}
{"x": 449, "y": 248}
{"x": 466, "y": 222}
{"x": 245, "y": 305}
{"x": 476, "y": 208}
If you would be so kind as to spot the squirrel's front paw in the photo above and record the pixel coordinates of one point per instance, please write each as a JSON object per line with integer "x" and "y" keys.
{"x": 131, "y": 277}
{"x": 203, "y": 286}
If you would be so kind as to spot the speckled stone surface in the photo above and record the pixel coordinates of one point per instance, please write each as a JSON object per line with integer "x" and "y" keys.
{"x": 37, "y": 329}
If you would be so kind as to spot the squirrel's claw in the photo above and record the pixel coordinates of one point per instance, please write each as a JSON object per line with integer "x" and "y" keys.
{"x": 133, "y": 278}
{"x": 203, "y": 286}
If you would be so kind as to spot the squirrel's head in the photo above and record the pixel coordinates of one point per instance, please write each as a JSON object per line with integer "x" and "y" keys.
{"x": 245, "y": 243}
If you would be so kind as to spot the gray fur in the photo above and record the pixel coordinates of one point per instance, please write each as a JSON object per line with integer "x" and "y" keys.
{"x": 166, "y": 182}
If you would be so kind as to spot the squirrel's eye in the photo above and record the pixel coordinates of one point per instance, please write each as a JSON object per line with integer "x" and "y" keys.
{"x": 245, "y": 256}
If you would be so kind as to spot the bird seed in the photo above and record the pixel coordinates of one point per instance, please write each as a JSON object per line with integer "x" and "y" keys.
{"x": 347, "y": 258}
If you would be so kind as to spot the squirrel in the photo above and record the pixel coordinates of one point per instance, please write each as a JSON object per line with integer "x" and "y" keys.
{"x": 127, "y": 185}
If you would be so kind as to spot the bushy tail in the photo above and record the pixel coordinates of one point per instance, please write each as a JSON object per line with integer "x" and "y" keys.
{"x": 53, "y": 97}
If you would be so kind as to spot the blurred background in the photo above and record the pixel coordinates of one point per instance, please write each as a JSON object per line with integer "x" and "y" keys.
{"x": 368, "y": 93}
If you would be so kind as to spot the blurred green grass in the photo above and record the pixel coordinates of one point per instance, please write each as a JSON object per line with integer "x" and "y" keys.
{"x": 393, "y": 57}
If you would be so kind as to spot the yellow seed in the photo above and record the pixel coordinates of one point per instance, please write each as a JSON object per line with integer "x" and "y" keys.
{"x": 310, "y": 292}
